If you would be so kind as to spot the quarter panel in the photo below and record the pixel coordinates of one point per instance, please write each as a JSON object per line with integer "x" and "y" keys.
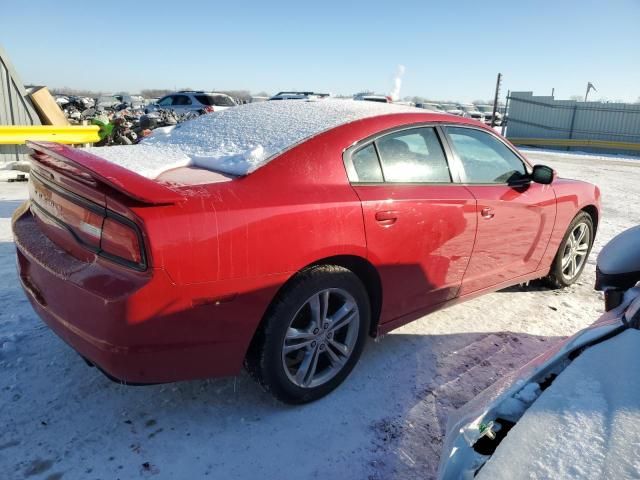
{"x": 571, "y": 197}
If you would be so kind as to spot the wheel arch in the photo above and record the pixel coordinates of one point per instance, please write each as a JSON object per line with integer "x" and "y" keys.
{"x": 368, "y": 275}
{"x": 592, "y": 211}
{"x": 360, "y": 266}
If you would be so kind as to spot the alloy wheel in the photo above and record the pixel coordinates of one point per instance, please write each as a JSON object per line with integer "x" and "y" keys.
{"x": 576, "y": 249}
{"x": 320, "y": 338}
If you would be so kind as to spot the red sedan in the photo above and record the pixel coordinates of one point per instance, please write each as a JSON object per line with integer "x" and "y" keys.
{"x": 280, "y": 235}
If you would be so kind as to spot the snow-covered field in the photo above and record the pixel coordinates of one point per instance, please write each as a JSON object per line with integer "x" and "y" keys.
{"x": 62, "y": 419}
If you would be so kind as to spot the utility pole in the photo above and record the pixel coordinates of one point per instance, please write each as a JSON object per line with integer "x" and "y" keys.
{"x": 504, "y": 117}
{"x": 495, "y": 100}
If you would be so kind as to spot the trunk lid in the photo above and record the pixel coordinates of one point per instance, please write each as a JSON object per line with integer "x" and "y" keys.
{"x": 72, "y": 195}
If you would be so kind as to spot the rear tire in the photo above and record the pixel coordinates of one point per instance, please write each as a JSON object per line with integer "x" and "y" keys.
{"x": 573, "y": 252}
{"x": 312, "y": 335}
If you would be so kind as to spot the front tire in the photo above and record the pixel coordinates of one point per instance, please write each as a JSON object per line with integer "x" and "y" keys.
{"x": 312, "y": 335}
{"x": 573, "y": 252}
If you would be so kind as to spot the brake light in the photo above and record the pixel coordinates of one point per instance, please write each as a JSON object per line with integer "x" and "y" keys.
{"x": 120, "y": 241}
{"x": 208, "y": 109}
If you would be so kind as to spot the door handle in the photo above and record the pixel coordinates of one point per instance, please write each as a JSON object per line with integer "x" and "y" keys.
{"x": 386, "y": 217}
{"x": 487, "y": 213}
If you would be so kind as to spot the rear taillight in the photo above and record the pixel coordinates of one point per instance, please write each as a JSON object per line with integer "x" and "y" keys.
{"x": 121, "y": 242}
{"x": 99, "y": 230}
{"x": 208, "y": 109}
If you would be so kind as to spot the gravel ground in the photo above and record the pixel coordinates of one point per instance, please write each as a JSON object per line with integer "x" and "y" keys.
{"x": 61, "y": 419}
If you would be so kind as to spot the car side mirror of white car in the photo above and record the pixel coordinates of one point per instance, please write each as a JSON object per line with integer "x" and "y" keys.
{"x": 618, "y": 266}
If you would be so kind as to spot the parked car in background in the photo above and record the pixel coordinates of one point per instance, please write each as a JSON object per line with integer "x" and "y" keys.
{"x": 370, "y": 97}
{"x": 132, "y": 101}
{"x": 452, "y": 109}
{"x": 487, "y": 111}
{"x": 184, "y": 257}
{"x": 299, "y": 96}
{"x": 574, "y": 411}
{"x": 434, "y": 107}
{"x": 471, "y": 111}
{"x": 187, "y": 101}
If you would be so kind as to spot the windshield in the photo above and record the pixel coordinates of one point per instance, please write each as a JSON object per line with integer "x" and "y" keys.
{"x": 485, "y": 108}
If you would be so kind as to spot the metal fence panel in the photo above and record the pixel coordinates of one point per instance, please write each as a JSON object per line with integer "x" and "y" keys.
{"x": 15, "y": 108}
{"x": 542, "y": 117}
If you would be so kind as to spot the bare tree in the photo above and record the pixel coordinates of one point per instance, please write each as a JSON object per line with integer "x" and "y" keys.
{"x": 77, "y": 92}
{"x": 154, "y": 92}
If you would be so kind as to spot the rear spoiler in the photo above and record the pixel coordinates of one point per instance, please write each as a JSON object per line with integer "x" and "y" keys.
{"x": 100, "y": 170}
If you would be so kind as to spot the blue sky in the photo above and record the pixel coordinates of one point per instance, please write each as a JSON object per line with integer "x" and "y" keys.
{"x": 451, "y": 49}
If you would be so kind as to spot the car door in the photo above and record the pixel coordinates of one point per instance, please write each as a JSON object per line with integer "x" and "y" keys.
{"x": 515, "y": 216}
{"x": 420, "y": 226}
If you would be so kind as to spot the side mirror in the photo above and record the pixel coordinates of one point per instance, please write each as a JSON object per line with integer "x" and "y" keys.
{"x": 542, "y": 174}
{"x": 618, "y": 266}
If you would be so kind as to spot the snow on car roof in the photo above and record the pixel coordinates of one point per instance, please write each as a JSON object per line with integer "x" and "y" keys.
{"x": 239, "y": 140}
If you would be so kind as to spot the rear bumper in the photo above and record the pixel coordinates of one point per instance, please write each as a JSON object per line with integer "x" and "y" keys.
{"x": 138, "y": 327}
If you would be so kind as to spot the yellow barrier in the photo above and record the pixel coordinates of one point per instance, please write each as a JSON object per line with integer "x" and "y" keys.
{"x": 575, "y": 142}
{"x": 18, "y": 134}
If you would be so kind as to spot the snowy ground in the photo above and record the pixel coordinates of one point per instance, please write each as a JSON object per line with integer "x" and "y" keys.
{"x": 62, "y": 419}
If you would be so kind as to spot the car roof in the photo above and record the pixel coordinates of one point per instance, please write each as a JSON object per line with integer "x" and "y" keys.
{"x": 237, "y": 141}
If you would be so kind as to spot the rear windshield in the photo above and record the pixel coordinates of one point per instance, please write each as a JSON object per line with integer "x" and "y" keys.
{"x": 215, "y": 100}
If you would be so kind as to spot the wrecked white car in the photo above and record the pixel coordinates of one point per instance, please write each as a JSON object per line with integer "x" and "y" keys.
{"x": 573, "y": 412}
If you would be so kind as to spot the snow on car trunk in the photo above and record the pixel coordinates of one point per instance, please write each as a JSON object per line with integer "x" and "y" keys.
{"x": 240, "y": 140}
{"x": 585, "y": 425}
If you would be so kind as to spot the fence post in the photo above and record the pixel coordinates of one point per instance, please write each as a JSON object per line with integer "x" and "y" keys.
{"x": 573, "y": 120}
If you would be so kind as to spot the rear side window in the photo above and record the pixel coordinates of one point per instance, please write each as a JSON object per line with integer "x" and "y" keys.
{"x": 485, "y": 158}
{"x": 166, "y": 101}
{"x": 365, "y": 162}
{"x": 215, "y": 100}
{"x": 413, "y": 155}
{"x": 181, "y": 100}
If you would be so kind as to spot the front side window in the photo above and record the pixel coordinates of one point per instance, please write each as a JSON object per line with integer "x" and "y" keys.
{"x": 166, "y": 101}
{"x": 413, "y": 155}
{"x": 485, "y": 159}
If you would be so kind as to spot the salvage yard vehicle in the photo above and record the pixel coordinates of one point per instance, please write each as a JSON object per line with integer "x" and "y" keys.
{"x": 487, "y": 111}
{"x": 452, "y": 109}
{"x": 187, "y": 100}
{"x": 572, "y": 412}
{"x": 471, "y": 111}
{"x": 297, "y": 95}
{"x": 435, "y": 107}
{"x": 280, "y": 235}
{"x": 372, "y": 97}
